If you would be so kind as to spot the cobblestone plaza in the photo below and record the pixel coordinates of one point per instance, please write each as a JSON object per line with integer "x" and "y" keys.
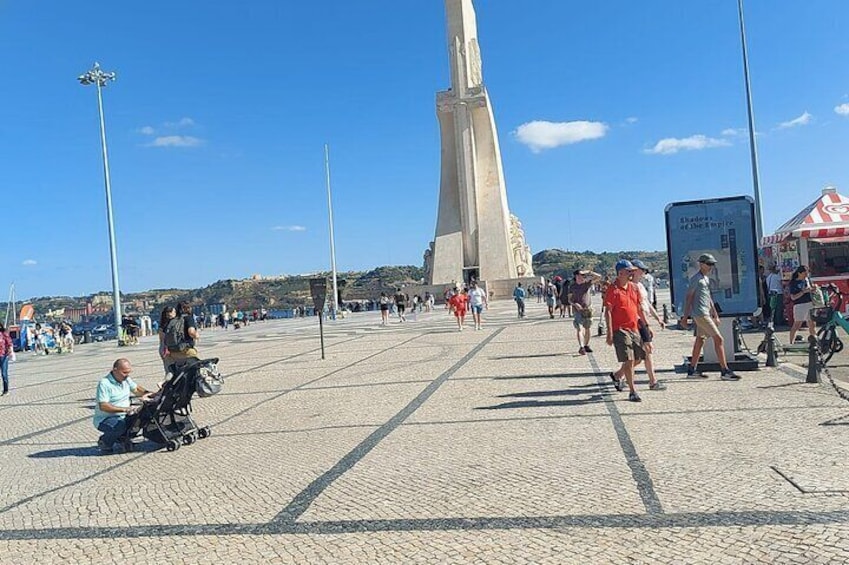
{"x": 416, "y": 443}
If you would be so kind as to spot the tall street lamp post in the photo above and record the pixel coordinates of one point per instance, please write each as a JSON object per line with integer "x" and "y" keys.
{"x": 99, "y": 78}
{"x": 756, "y": 182}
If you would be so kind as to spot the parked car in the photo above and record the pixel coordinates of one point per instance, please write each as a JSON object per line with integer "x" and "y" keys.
{"x": 104, "y": 332}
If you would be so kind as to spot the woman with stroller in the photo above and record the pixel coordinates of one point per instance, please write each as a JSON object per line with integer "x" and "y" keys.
{"x": 177, "y": 335}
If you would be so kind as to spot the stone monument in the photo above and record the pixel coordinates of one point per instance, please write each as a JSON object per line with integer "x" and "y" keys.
{"x": 476, "y": 236}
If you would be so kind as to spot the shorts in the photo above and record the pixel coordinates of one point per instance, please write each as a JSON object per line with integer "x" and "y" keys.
{"x": 477, "y": 308}
{"x": 802, "y": 312}
{"x": 550, "y": 301}
{"x": 706, "y": 327}
{"x": 583, "y": 318}
{"x": 401, "y": 308}
{"x": 628, "y": 345}
{"x": 384, "y": 308}
{"x": 460, "y": 312}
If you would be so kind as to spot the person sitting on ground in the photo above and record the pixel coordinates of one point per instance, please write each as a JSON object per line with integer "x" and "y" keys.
{"x": 112, "y": 404}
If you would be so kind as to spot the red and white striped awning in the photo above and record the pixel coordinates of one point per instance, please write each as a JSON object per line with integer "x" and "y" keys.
{"x": 825, "y": 218}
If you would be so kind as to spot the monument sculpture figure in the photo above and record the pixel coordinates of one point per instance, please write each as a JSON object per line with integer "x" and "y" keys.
{"x": 473, "y": 228}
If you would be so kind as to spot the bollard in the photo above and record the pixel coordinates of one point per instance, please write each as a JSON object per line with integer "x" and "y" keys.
{"x": 771, "y": 360}
{"x": 665, "y": 315}
{"x": 813, "y": 361}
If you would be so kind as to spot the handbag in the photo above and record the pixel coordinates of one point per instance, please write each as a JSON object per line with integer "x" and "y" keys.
{"x": 645, "y": 333}
{"x": 209, "y": 380}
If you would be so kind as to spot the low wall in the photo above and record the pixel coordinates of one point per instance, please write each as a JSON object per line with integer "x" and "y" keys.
{"x": 495, "y": 290}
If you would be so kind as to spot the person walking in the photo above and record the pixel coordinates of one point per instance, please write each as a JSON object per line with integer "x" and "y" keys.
{"x": 624, "y": 314}
{"x": 383, "y": 302}
{"x": 401, "y": 305}
{"x": 775, "y": 288}
{"x": 519, "y": 295}
{"x": 645, "y": 333}
{"x": 582, "y": 307}
{"x": 550, "y": 298}
{"x": 7, "y": 353}
{"x": 477, "y": 302}
{"x": 458, "y": 305}
{"x": 800, "y": 293}
{"x": 706, "y": 319}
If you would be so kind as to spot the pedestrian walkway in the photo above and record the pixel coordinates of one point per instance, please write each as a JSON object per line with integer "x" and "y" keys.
{"x": 416, "y": 443}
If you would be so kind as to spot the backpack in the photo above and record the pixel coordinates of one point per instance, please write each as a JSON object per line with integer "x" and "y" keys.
{"x": 175, "y": 335}
{"x": 208, "y": 381}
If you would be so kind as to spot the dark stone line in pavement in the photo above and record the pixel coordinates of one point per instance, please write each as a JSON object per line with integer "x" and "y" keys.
{"x": 645, "y": 486}
{"x": 305, "y": 498}
{"x": 605, "y": 521}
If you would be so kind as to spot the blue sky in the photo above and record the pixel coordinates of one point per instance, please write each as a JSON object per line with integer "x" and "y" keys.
{"x": 218, "y": 119}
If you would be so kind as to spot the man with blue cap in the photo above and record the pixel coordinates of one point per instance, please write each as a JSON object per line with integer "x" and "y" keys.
{"x": 624, "y": 313}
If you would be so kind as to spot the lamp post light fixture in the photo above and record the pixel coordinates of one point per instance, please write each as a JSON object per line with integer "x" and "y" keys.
{"x": 100, "y": 78}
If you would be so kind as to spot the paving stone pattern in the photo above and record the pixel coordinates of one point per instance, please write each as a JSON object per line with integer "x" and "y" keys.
{"x": 417, "y": 443}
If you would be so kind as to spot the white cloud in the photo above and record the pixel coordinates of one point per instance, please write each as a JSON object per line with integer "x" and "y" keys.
{"x": 541, "y": 135}
{"x": 802, "y": 120}
{"x": 175, "y": 141}
{"x": 289, "y": 228}
{"x": 181, "y": 123}
{"x": 843, "y": 109}
{"x": 672, "y": 145}
{"x": 147, "y": 130}
{"x": 632, "y": 120}
{"x": 733, "y": 132}
{"x": 29, "y": 262}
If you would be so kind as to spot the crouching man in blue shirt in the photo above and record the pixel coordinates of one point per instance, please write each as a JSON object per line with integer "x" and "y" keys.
{"x": 112, "y": 404}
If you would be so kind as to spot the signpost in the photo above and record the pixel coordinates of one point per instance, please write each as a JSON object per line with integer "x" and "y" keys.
{"x": 318, "y": 290}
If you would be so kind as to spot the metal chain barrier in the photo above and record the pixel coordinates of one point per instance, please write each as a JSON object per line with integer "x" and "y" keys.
{"x": 840, "y": 392}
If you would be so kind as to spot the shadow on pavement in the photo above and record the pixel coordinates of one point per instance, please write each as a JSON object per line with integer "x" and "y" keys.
{"x": 594, "y": 399}
{"x": 92, "y": 451}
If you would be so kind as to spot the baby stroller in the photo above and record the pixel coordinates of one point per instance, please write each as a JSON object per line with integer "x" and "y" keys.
{"x": 166, "y": 419}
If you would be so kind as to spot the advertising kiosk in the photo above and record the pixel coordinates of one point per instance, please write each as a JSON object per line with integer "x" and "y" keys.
{"x": 818, "y": 236}
{"x": 725, "y": 228}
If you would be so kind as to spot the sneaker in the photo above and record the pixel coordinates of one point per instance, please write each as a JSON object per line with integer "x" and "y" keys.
{"x": 634, "y": 397}
{"x": 695, "y": 374}
{"x": 582, "y": 351}
{"x": 103, "y": 447}
{"x": 588, "y": 349}
{"x": 657, "y": 386}
{"x": 618, "y": 385}
{"x": 612, "y": 377}
{"x": 729, "y": 375}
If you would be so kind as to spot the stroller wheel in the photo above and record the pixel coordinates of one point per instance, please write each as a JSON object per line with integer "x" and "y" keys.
{"x": 204, "y": 432}
{"x": 173, "y": 445}
{"x": 188, "y": 439}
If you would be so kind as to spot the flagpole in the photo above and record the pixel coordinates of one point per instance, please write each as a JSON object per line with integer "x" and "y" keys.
{"x": 334, "y": 303}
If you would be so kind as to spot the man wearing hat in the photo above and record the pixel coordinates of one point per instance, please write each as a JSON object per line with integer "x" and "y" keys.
{"x": 706, "y": 318}
{"x": 582, "y": 307}
{"x": 623, "y": 313}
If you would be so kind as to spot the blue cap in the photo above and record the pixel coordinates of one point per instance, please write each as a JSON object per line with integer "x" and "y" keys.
{"x": 640, "y": 265}
{"x": 624, "y": 264}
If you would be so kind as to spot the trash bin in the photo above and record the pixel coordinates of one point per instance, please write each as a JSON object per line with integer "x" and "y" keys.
{"x": 87, "y": 336}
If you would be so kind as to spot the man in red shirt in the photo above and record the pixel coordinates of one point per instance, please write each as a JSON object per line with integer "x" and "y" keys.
{"x": 624, "y": 314}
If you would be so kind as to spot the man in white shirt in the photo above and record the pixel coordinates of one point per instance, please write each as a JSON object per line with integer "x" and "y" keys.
{"x": 477, "y": 302}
